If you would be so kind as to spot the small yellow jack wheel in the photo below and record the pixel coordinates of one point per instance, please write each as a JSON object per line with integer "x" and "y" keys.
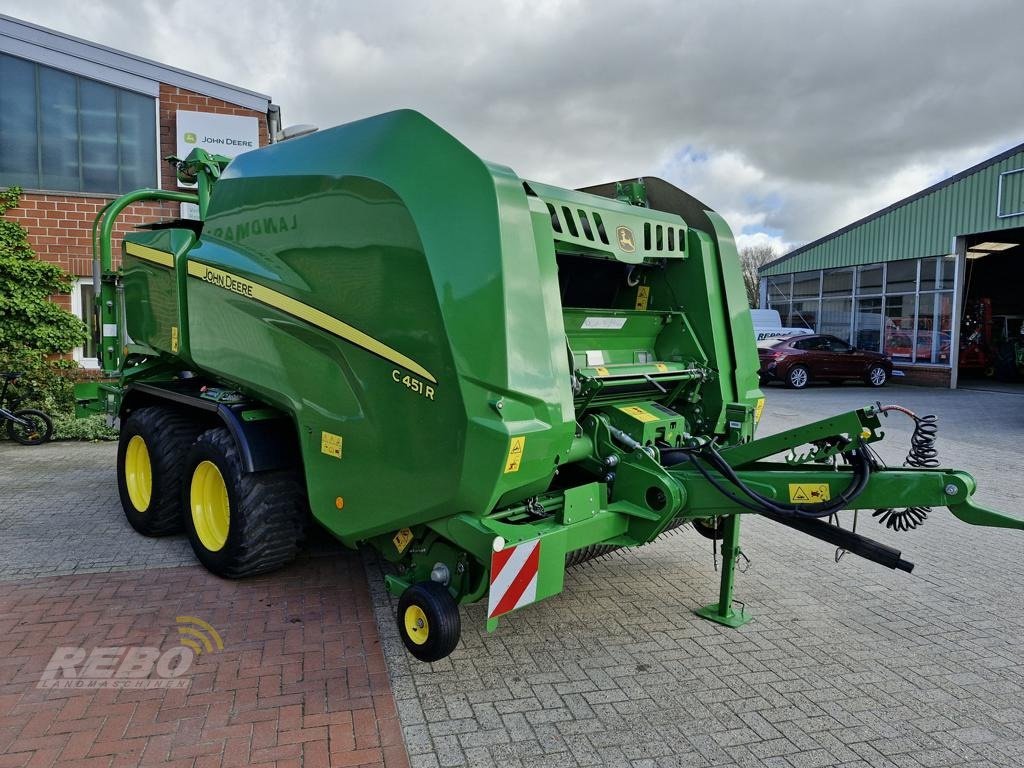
{"x": 428, "y": 621}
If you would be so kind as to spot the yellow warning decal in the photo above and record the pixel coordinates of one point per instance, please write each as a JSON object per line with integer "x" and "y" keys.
{"x": 601, "y": 371}
{"x": 144, "y": 252}
{"x": 809, "y": 493}
{"x": 402, "y": 539}
{"x": 643, "y": 293}
{"x": 661, "y": 367}
{"x": 515, "y": 454}
{"x": 638, "y": 413}
{"x": 174, "y": 338}
{"x": 305, "y": 312}
{"x": 758, "y": 409}
{"x": 330, "y": 444}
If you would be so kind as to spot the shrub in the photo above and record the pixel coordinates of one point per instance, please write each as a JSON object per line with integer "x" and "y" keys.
{"x": 90, "y": 428}
{"x": 33, "y": 330}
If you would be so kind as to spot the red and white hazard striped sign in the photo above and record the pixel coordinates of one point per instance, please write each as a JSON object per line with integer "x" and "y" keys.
{"x": 513, "y": 578}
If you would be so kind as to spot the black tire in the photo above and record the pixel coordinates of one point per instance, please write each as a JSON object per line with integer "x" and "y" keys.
{"x": 38, "y": 431}
{"x": 267, "y": 511}
{"x": 876, "y": 376}
{"x": 166, "y": 435}
{"x": 440, "y": 614}
{"x": 709, "y": 530}
{"x": 798, "y": 377}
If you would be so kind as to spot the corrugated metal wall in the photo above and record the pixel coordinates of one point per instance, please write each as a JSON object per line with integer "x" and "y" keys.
{"x": 923, "y": 227}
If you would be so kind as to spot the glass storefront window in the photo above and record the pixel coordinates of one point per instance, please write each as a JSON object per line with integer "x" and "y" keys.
{"x": 835, "y": 318}
{"x": 837, "y": 282}
{"x": 783, "y": 308}
{"x": 928, "y": 274}
{"x": 901, "y": 308}
{"x": 943, "y": 327}
{"x": 804, "y": 314}
{"x": 947, "y": 271}
{"x": 934, "y": 324}
{"x": 806, "y": 284}
{"x": 926, "y": 341}
{"x": 869, "y": 280}
{"x": 779, "y": 289}
{"x": 901, "y": 276}
{"x": 867, "y": 324}
{"x": 899, "y": 327}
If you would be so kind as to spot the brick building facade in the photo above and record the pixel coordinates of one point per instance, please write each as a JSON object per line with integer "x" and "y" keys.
{"x": 101, "y": 119}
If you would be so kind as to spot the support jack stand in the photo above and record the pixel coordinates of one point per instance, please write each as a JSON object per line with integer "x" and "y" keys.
{"x": 722, "y": 612}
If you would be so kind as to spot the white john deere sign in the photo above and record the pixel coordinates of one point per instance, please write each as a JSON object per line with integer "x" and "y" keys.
{"x": 227, "y": 135}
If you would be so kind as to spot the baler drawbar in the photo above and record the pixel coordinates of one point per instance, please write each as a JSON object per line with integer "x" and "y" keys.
{"x": 485, "y": 379}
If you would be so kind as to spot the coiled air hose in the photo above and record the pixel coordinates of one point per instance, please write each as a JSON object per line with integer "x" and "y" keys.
{"x": 922, "y": 455}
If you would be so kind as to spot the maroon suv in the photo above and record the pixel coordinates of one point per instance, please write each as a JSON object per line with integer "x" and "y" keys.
{"x": 798, "y": 360}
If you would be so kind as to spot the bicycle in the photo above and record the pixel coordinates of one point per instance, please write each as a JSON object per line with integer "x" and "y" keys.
{"x": 27, "y": 426}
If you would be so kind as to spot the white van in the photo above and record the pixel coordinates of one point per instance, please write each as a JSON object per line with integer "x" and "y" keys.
{"x": 768, "y": 325}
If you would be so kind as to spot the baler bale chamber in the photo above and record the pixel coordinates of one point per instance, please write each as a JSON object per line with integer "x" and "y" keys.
{"x": 484, "y": 378}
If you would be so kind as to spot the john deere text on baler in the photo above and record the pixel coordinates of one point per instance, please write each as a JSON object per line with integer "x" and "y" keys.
{"x": 481, "y": 377}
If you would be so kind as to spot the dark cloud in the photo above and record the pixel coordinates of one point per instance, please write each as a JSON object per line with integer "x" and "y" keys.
{"x": 793, "y": 118}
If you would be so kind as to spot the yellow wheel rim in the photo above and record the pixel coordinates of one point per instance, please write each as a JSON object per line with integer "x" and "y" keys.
{"x": 211, "y": 510}
{"x": 138, "y": 473}
{"x": 416, "y": 625}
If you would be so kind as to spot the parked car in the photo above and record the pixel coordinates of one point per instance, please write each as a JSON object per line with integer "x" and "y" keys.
{"x": 798, "y": 360}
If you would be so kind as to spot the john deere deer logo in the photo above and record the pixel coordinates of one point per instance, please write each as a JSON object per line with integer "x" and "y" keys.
{"x": 626, "y": 243}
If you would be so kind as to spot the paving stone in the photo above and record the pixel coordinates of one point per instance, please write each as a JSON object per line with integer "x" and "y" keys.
{"x": 845, "y": 664}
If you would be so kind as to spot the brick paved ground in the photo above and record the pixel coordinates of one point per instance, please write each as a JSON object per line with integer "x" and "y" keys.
{"x": 847, "y": 664}
{"x": 301, "y": 680}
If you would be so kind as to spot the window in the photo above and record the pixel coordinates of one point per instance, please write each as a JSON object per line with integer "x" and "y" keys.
{"x": 902, "y": 308}
{"x": 947, "y": 273}
{"x": 803, "y": 314}
{"x": 934, "y": 323}
{"x": 806, "y": 284}
{"x": 82, "y": 301}
{"x": 837, "y": 282}
{"x": 835, "y": 317}
{"x": 779, "y": 290}
{"x": 63, "y": 132}
{"x": 867, "y": 332}
{"x": 869, "y": 280}
{"x": 832, "y": 344}
{"x": 928, "y": 274}
{"x": 901, "y": 276}
{"x": 900, "y": 338}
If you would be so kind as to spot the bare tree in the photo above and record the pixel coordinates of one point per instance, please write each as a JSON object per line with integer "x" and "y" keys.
{"x": 752, "y": 259}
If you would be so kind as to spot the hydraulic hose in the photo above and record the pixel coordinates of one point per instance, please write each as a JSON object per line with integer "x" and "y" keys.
{"x": 859, "y": 460}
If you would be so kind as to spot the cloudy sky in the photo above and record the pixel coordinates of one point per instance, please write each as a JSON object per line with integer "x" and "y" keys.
{"x": 791, "y": 118}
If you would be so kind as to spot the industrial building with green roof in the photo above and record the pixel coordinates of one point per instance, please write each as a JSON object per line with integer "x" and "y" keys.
{"x": 934, "y": 280}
